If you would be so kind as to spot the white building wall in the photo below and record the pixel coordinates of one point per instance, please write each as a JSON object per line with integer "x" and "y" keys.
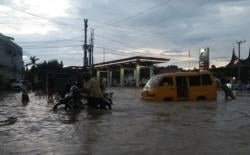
{"x": 11, "y": 63}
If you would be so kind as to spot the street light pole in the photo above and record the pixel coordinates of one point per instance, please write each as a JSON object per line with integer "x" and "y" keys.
{"x": 239, "y": 43}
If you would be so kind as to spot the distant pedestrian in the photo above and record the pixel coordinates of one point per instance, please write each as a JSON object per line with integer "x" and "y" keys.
{"x": 25, "y": 95}
{"x": 228, "y": 92}
{"x": 51, "y": 89}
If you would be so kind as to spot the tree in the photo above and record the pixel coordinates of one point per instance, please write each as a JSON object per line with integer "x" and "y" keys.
{"x": 61, "y": 63}
{"x": 54, "y": 65}
{"x": 213, "y": 67}
{"x": 33, "y": 60}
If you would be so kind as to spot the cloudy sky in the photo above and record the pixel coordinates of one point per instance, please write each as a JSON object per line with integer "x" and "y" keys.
{"x": 53, "y": 29}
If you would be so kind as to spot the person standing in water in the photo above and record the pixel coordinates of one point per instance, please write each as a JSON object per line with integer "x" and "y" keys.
{"x": 228, "y": 92}
{"x": 25, "y": 95}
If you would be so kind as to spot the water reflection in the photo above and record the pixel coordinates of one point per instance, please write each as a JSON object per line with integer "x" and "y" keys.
{"x": 96, "y": 113}
{"x": 8, "y": 121}
{"x": 131, "y": 127}
{"x": 67, "y": 117}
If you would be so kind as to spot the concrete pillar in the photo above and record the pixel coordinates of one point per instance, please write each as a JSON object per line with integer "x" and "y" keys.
{"x": 122, "y": 77}
{"x": 151, "y": 68}
{"x": 98, "y": 74}
{"x": 107, "y": 83}
{"x": 110, "y": 79}
{"x": 137, "y": 75}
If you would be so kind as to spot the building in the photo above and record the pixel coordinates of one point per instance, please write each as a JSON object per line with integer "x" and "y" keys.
{"x": 132, "y": 71}
{"x": 11, "y": 62}
{"x": 235, "y": 61}
{"x": 231, "y": 70}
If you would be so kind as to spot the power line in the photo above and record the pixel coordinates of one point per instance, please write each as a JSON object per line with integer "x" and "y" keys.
{"x": 52, "y": 47}
{"x": 142, "y": 12}
{"x": 49, "y": 41}
{"x": 101, "y": 36}
{"x": 39, "y": 43}
{"x": 113, "y": 52}
{"x": 33, "y": 24}
{"x": 131, "y": 30}
{"x": 32, "y": 14}
{"x": 43, "y": 43}
{"x": 110, "y": 49}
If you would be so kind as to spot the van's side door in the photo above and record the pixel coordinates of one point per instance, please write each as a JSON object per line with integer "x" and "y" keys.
{"x": 181, "y": 87}
{"x": 168, "y": 91}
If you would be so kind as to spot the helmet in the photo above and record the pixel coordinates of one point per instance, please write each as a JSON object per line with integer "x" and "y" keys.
{"x": 74, "y": 89}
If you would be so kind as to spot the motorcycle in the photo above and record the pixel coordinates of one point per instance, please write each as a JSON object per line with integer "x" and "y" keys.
{"x": 71, "y": 101}
{"x": 105, "y": 103}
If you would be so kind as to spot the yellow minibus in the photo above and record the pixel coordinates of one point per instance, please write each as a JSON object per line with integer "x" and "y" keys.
{"x": 181, "y": 86}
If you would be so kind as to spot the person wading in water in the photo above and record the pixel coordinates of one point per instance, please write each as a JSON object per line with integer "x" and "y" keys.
{"x": 228, "y": 92}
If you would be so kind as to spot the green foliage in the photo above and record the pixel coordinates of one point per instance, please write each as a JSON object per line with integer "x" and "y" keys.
{"x": 61, "y": 63}
{"x": 42, "y": 69}
{"x": 54, "y": 65}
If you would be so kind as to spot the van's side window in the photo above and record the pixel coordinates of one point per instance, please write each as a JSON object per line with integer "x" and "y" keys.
{"x": 194, "y": 80}
{"x": 206, "y": 79}
{"x": 166, "y": 81}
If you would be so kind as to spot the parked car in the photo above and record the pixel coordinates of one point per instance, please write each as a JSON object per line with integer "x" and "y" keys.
{"x": 16, "y": 85}
{"x": 27, "y": 83}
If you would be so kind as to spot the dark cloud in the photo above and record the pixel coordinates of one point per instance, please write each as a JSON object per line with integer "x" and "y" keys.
{"x": 174, "y": 25}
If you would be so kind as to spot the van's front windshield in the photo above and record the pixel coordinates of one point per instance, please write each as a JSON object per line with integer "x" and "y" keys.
{"x": 153, "y": 82}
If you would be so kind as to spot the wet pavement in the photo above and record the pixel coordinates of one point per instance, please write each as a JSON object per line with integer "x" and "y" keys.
{"x": 132, "y": 127}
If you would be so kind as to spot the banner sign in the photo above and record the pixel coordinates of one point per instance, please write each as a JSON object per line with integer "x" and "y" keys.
{"x": 204, "y": 59}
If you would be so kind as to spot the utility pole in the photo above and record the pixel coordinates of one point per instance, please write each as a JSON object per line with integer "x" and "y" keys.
{"x": 239, "y": 43}
{"x": 85, "y": 46}
{"x": 91, "y": 49}
{"x": 93, "y": 45}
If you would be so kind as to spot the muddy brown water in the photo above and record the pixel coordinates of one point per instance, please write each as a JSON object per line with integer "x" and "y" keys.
{"x": 133, "y": 126}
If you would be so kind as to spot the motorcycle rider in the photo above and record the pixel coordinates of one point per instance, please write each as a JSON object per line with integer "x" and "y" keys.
{"x": 94, "y": 92}
{"x": 76, "y": 95}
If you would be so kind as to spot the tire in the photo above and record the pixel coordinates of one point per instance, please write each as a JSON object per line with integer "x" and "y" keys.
{"x": 110, "y": 101}
{"x": 109, "y": 106}
{"x": 65, "y": 106}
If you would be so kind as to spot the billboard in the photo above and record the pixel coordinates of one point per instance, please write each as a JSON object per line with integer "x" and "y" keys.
{"x": 204, "y": 59}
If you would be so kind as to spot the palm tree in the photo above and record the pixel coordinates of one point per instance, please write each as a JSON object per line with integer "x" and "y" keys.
{"x": 33, "y": 60}
{"x": 31, "y": 74}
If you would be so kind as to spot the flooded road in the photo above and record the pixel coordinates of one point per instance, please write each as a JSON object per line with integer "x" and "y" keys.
{"x": 133, "y": 126}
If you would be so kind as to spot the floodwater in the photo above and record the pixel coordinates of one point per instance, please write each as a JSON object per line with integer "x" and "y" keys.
{"x": 132, "y": 127}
